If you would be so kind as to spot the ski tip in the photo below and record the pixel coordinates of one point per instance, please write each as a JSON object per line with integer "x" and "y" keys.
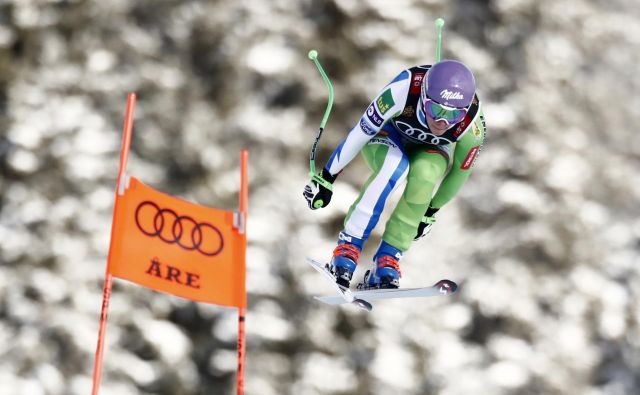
{"x": 446, "y": 287}
{"x": 363, "y": 304}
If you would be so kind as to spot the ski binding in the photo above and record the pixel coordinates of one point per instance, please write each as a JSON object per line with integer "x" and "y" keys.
{"x": 345, "y": 295}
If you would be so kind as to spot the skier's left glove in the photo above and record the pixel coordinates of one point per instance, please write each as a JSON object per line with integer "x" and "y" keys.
{"x": 319, "y": 190}
{"x": 427, "y": 223}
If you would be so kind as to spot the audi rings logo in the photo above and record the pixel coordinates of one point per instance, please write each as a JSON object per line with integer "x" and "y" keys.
{"x": 178, "y": 229}
{"x": 420, "y": 135}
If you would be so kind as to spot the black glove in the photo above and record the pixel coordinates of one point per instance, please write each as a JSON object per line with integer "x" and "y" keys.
{"x": 319, "y": 190}
{"x": 427, "y": 223}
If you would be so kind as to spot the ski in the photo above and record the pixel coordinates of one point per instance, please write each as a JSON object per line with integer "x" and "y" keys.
{"x": 345, "y": 294}
{"x": 441, "y": 288}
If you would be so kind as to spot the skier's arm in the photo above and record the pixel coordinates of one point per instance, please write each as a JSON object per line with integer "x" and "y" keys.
{"x": 387, "y": 104}
{"x": 464, "y": 157}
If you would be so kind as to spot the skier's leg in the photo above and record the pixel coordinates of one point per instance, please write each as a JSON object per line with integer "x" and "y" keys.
{"x": 390, "y": 165}
{"x": 427, "y": 167}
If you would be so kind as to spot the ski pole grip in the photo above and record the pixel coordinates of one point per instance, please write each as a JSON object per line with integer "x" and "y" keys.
{"x": 318, "y": 178}
{"x": 326, "y": 184}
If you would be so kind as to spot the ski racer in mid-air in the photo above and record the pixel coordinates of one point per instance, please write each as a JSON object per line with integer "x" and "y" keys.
{"x": 426, "y": 126}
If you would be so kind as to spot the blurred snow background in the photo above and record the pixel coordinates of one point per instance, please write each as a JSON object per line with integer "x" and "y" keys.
{"x": 544, "y": 238}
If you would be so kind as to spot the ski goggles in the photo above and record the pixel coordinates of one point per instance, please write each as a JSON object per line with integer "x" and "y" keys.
{"x": 439, "y": 112}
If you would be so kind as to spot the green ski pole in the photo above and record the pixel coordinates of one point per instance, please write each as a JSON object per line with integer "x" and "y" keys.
{"x": 313, "y": 55}
{"x": 439, "y": 26}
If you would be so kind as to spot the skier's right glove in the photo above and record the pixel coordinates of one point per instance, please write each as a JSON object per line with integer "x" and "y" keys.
{"x": 427, "y": 223}
{"x": 319, "y": 190}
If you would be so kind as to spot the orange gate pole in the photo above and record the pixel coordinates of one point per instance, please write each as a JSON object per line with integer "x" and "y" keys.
{"x": 108, "y": 281}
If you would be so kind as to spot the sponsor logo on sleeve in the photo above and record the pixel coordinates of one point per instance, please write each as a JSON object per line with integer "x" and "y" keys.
{"x": 373, "y": 115}
{"x": 383, "y": 141}
{"x": 471, "y": 156}
{"x": 385, "y": 101}
{"x": 366, "y": 128}
{"x": 477, "y": 133}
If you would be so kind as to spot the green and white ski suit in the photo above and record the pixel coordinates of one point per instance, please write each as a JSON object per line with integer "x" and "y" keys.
{"x": 397, "y": 145}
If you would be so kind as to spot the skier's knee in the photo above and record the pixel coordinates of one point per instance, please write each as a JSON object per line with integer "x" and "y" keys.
{"x": 426, "y": 172}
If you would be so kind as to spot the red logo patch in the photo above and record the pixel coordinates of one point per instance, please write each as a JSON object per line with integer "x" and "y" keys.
{"x": 416, "y": 84}
{"x": 471, "y": 156}
{"x": 462, "y": 126}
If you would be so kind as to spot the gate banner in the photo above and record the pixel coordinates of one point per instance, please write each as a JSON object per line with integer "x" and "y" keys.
{"x": 174, "y": 246}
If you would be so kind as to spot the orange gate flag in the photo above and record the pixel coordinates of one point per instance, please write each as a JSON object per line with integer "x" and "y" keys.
{"x": 174, "y": 246}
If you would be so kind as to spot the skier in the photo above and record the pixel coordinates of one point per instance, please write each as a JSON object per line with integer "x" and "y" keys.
{"x": 425, "y": 126}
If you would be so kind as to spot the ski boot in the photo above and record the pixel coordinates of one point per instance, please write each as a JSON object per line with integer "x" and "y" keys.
{"x": 387, "y": 272}
{"x": 345, "y": 258}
